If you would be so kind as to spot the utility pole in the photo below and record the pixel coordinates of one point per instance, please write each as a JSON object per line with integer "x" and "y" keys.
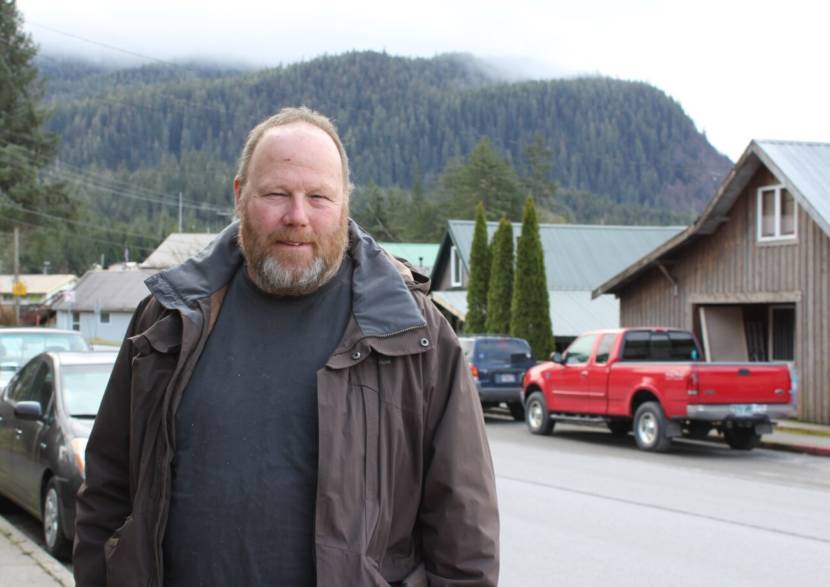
{"x": 180, "y": 211}
{"x": 16, "y": 274}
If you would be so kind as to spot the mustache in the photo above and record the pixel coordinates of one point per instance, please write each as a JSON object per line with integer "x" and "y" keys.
{"x": 290, "y": 236}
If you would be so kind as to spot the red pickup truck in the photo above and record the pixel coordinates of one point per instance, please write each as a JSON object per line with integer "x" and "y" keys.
{"x": 653, "y": 382}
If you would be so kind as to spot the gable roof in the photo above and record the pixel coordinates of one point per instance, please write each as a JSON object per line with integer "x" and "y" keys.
{"x": 577, "y": 256}
{"x": 420, "y": 255}
{"x": 176, "y": 249}
{"x": 803, "y": 168}
{"x": 111, "y": 291}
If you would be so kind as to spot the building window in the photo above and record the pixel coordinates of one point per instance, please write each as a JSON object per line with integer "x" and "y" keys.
{"x": 455, "y": 267}
{"x": 104, "y": 317}
{"x": 777, "y": 214}
{"x": 76, "y": 320}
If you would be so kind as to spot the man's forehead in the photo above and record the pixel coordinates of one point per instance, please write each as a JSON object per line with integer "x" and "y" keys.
{"x": 298, "y": 137}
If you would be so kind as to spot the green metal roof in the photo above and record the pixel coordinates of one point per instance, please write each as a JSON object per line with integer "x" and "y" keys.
{"x": 418, "y": 254}
{"x": 578, "y": 256}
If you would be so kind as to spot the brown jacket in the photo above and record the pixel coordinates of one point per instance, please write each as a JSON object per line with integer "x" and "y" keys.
{"x": 406, "y": 492}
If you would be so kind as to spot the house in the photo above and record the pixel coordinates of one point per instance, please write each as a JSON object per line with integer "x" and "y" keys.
{"x": 577, "y": 259}
{"x": 751, "y": 276}
{"x": 179, "y": 246}
{"x": 41, "y": 289}
{"x": 102, "y": 304}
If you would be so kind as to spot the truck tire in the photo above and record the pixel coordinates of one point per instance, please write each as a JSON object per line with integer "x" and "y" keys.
{"x": 650, "y": 428}
{"x": 742, "y": 438}
{"x": 517, "y": 410}
{"x": 619, "y": 427}
{"x": 537, "y": 415}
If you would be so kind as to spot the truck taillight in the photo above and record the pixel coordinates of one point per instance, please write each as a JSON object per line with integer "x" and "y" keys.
{"x": 693, "y": 383}
{"x": 474, "y": 371}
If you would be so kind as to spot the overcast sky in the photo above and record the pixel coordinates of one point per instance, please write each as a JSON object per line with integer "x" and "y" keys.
{"x": 741, "y": 69}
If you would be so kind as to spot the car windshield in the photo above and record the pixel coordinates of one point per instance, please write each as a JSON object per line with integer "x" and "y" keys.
{"x": 501, "y": 351}
{"x": 83, "y": 387}
{"x": 16, "y": 348}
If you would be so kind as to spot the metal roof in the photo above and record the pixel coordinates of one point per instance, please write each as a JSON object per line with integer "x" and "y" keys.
{"x": 37, "y": 284}
{"x": 571, "y": 312}
{"x": 420, "y": 255}
{"x": 577, "y": 256}
{"x": 803, "y": 168}
{"x": 111, "y": 291}
{"x": 176, "y": 249}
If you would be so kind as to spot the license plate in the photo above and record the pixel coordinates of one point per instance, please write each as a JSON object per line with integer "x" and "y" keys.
{"x": 505, "y": 378}
{"x": 748, "y": 409}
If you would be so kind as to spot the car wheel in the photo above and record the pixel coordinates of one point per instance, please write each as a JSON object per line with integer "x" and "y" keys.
{"x": 537, "y": 415}
{"x": 742, "y": 438}
{"x": 619, "y": 427}
{"x": 650, "y": 428}
{"x": 53, "y": 532}
{"x": 517, "y": 410}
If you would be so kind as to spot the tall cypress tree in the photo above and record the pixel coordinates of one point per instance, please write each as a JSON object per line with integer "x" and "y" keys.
{"x": 530, "y": 308}
{"x": 500, "y": 292}
{"x": 479, "y": 275}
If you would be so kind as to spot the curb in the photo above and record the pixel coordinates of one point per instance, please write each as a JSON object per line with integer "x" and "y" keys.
{"x": 39, "y": 557}
{"x": 820, "y": 451}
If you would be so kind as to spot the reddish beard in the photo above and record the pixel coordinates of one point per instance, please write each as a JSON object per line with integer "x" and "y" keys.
{"x": 284, "y": 272}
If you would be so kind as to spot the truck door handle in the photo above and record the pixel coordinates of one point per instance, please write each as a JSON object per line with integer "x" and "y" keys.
{"x": 584, "y": 373}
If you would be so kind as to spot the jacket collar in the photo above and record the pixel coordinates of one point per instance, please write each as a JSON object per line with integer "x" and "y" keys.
{"x": 382, "y": 304}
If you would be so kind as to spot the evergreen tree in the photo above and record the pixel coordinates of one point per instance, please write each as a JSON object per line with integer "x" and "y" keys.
{"x": 24, "y": 146}
{"x": 479, "y": 276}
{"x": 485, "y": 177}
{"x": 530, "y": 308}
{"x": 500, "y": 291}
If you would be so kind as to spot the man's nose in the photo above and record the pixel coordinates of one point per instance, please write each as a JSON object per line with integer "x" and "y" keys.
{"x": 296, "y": 214}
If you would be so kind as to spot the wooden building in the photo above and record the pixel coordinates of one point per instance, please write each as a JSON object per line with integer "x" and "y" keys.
{"x": 751, "y": 276}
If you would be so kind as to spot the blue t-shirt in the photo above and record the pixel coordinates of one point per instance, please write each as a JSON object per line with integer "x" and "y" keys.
{"x": 245, "y": 468}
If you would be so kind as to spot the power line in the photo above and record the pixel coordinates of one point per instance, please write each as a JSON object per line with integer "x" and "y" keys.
{"x": 74, "y": 235}
{"x": 104, "y": 45}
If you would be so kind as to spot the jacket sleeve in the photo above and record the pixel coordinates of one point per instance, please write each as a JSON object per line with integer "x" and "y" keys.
{"x": 103, "y": 502}
{"x": 459, "y": 516}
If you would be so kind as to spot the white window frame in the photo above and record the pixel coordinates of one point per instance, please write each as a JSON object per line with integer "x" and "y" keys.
{"x": 101, "y": 315}
{"x": 76, "y": 324}
{"x": 777, "y": 236}
{"x": 456, "y": 267}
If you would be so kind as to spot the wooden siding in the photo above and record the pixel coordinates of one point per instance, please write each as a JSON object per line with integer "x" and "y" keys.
{"x": 730, "y": 266}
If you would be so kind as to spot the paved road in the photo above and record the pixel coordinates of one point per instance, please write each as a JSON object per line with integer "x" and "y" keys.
{"x": 584, "y": 508}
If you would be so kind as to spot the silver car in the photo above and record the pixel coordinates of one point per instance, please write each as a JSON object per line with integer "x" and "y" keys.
{"x": 18, "y": 345}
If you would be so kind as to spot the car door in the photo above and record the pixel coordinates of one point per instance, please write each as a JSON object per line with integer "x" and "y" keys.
{"x": 27, "y": 464}
{"x": 569, "y": 385}
{"x": 7, "y": 437}
{"x": 596, "y": 383}
{"x": 10, "y": 432}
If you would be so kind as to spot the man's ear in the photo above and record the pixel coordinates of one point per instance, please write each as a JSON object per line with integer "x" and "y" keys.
{"x": 237, "y": 194}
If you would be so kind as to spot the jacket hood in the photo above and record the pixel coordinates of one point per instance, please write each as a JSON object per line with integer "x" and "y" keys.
{"x": 382, "y": 303}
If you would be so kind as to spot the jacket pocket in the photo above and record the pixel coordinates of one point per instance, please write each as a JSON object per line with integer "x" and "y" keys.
{"x": 417, "y": 578}
{"x": 111, "y": 545}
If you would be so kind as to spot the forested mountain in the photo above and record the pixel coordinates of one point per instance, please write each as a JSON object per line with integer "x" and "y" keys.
{"x": 131, "y": 140}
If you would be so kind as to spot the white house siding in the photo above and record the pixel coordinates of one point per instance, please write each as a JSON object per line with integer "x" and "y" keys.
{"x": 92, "y": 329}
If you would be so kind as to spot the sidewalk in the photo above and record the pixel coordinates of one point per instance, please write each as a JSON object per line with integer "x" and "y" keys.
{"x": 24, "y": 563}
{"x": 795, "y": 436}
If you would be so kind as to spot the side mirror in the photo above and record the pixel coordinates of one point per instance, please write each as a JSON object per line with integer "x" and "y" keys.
{"x": 28, "y": 411}
{"x": 556, "y": 357}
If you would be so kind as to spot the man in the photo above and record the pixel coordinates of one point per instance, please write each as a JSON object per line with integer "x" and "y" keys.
{"x": 288, "y": 408}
